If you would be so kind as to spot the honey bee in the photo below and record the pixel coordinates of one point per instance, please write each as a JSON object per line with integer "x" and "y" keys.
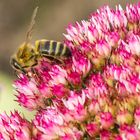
{"x": 27, "y": 55}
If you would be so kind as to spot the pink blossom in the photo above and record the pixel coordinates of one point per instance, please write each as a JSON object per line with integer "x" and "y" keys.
{"x": 75, "y": 106}
{"x": 60, "y": 91}
{"x": 96, "y": 86}
{"x": 106, "y": 119}
{"x": 94, "y": 107}
{"x": 105, "y": 135}
{"x": 92, "y": 129}
{"x": 74, "y": 78}
{"x": 134, "y": 43}
{"x": 82, "y": 65}
{"x": 58, "y": 75}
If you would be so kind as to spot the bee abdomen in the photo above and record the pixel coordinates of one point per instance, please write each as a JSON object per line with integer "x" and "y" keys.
{"x": 67, "y": 52}
{"x": 52, "y": 48}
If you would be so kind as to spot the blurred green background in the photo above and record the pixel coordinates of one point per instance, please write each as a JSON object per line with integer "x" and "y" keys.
{"x": 52, "y": 19}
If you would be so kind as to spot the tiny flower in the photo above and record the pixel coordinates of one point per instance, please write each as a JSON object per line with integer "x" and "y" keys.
{"x": 103, "y": 48}
{"x": 74, "y": 79}
{"x": 124, "y": 117}
{"x": 96, "y": 86}
{"x": 92, "y": 129}
{"x": 75, "y": 105}
{"x": 107, "y": 120}
{"x": 77, "y": 135}
{"x": 81, "y": 64}
{"x": 105, "y": 135}
{"x": 113, "y": 38}
{"x": 94, "y": 107}
{"x": 118, "y": 137}
{"x": 133, "y": 40}
{"x": 60, "y": 91}
{"x": 58, "y": 75}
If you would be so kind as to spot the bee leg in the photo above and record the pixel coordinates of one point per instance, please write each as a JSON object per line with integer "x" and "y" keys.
{"x": 57, "y": 61}
{"x": 22, "y": 71}
{"x": 61, "y": 61}
{"x": 35, "y": 75}
{"x": 17, "y": 73}
{"x": 51, "y": 59}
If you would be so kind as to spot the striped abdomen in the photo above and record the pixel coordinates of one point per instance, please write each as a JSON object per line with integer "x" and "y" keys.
{"x": 50, "y": 48}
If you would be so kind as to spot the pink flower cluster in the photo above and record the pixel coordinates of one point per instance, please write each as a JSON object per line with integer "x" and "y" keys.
{"x": 95, "y": 94}
{"x": 14, "y": 127}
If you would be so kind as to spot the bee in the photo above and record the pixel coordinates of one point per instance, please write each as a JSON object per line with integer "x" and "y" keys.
{"x": 28, "y": 56}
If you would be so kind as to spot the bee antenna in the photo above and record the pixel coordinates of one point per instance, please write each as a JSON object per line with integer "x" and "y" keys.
{"x": 30, "y": 28}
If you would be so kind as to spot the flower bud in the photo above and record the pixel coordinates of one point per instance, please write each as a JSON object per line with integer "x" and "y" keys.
{"x": 124, "y": 117}
{"x": 106, "y": 120}
{"x": 92, "y": 129}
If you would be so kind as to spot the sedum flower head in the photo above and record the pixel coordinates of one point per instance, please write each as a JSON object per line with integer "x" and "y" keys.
{"x": 95, "y": 94}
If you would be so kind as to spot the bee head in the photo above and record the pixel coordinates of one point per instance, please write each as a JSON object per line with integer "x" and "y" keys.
{"x": 24, "y": 58}
{"x": 25, "y": 52}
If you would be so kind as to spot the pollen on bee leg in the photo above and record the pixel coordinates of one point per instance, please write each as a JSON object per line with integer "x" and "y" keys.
{"x": 30, "y": 74}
